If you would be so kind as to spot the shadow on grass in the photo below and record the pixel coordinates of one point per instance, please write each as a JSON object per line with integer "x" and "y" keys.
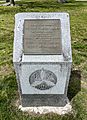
{"x": 74, "y": 83}
{"x": 50, "y": 4}
{"x": 26, "y": 6}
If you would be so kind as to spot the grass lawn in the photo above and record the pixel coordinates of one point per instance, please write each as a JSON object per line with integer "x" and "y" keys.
{"x": 8, "y": 84}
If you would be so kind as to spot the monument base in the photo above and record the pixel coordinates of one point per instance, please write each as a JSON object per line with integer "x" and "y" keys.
{"x": 38, "y": 100}
{"x": 48, "y": 109}
{"x": 38, "y": 104}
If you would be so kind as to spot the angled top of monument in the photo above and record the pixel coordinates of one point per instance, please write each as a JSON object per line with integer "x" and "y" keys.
{"x": 42, "y": 34}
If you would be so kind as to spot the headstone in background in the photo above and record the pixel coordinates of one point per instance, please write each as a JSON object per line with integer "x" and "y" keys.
{"x": 42, "y": 58}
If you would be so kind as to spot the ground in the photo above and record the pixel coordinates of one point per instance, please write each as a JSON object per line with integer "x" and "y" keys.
{"x": 77, "y": 92}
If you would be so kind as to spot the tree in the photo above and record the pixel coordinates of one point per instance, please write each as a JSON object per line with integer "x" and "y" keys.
{"x": 11, "y": 2}
{"x": 62, "y": 1}
{"x": 7, "y": 0}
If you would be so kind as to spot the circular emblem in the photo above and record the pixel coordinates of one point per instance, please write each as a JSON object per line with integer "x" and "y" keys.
{"x": 42, "y": 79}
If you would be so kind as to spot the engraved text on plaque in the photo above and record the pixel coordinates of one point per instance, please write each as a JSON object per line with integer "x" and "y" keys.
{"x": 42, "y": 36}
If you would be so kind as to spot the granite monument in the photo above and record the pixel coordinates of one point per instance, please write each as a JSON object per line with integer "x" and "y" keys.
{"x": 42, "y": 58}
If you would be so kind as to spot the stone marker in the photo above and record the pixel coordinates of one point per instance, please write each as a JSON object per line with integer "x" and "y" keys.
{"x": 42, "y": 58}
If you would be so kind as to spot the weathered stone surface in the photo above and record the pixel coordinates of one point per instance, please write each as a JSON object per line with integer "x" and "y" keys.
{"x": 57, "y": 100}
{"x": 47, "y": 109}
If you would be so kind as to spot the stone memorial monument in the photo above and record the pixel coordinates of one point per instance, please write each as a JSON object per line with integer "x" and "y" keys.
{"x": 42, "y": 58}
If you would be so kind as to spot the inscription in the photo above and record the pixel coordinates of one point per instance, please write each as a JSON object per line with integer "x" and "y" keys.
{"x": 42, "y": 36}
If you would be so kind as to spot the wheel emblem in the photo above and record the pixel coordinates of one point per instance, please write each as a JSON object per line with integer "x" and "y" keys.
{"x": 42, "y": 79}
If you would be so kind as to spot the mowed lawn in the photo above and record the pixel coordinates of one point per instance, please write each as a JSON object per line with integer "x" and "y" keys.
{"x": 8, "y": 84}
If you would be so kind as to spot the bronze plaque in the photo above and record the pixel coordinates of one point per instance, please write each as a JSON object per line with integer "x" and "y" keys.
{"x": 42, "y": 36}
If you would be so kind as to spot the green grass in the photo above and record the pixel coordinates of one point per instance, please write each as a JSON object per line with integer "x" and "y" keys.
{"x": 8, "y": 84}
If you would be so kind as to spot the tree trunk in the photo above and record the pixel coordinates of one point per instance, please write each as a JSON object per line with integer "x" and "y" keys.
{"x": 12, "y": 2}
{"x": 7, "y": 0}
{"x": 62, "y": 1}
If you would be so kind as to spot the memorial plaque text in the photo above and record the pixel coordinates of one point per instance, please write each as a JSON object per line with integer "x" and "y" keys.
{"x": 42, "y": 36}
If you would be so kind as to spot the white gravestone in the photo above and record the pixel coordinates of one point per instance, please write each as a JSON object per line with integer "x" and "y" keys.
{"x": 42, "y": 58}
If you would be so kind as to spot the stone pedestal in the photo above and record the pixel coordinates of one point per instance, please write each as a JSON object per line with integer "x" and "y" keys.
{"x": 42, "y": 58}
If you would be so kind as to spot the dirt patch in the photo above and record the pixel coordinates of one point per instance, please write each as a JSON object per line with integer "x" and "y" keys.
{"x": 5, "y": 70}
